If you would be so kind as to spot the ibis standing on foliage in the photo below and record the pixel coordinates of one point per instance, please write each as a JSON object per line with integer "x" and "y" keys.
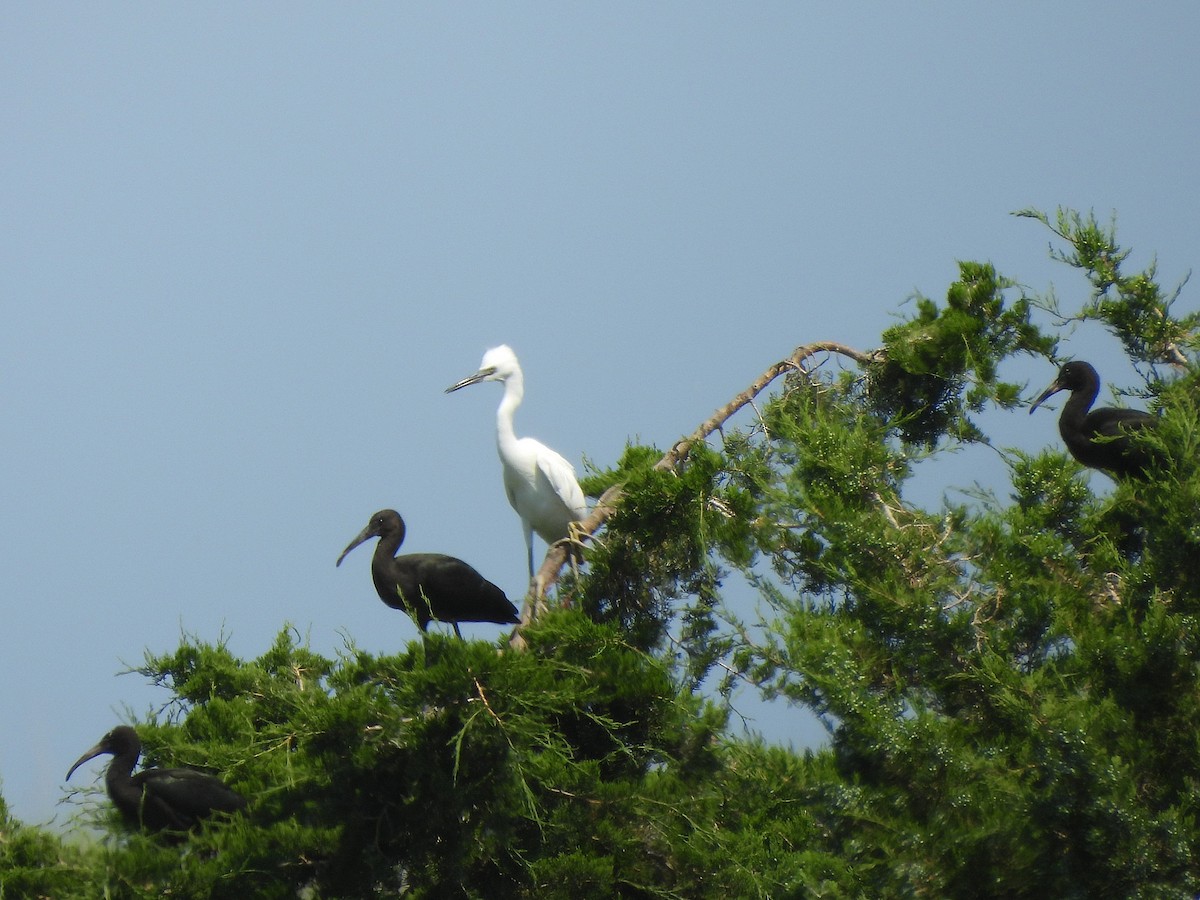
{"x": 540, "y": 484}
{"x": 158, "y": 799}
{"x": 429, "y": 585}
{"x": 1100, "y": 439}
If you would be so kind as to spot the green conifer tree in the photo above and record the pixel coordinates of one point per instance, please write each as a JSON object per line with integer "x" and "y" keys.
{"x": 1009, "y": 684}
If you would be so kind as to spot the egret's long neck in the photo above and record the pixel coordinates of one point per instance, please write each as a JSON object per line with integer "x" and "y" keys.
{"x": 514, "y": 390}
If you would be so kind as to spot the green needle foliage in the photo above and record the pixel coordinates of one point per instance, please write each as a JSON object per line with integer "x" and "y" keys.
{"x": 34, "y": 863}
{"x": 1010, "y": 686}
{"x": 941, "y": 365}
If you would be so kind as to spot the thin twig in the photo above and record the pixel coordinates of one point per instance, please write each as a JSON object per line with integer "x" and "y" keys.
{"x": 552, "y": 565}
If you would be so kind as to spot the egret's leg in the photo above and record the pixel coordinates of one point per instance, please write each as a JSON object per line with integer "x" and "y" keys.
{"x": 574, "y": 540}
{"x": 575, "y": 551}
{"x": 529, "y": 546}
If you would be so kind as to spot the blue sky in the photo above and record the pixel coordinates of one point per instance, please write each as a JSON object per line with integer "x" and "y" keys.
{"x": 246, "y": 247}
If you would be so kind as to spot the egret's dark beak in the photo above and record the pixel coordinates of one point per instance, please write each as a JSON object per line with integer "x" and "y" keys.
{"x": 477, "y": 377}
{"x": 1049, "y": 392}
{"x": 91, "y": 754}
{"x": 365, "y": 535}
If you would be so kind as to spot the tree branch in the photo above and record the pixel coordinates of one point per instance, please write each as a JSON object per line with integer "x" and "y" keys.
{"x": 556, "y": 557}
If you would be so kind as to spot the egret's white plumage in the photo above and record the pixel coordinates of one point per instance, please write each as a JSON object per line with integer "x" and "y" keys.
{"x": 540, "y": 484}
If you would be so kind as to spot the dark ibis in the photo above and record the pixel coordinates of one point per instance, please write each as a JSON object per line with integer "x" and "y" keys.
{"x": 158, "y": 799}
{"x": 429, "y": 585}
{"x": 1099, "y": 439}
{"x": 540, "y": 484}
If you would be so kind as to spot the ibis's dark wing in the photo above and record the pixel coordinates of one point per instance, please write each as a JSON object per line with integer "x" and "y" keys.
{"x": 177, "y": 799}
{"x": 1110, "y": 429}
{"x": 456, "y": 591}
{"x": 1111, "y": 422}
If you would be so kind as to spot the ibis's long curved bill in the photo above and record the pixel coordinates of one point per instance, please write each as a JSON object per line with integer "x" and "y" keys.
{"x": 1055, "y": 387}
{"x": 90, "y": 754}
{"x": 364, "y": 535}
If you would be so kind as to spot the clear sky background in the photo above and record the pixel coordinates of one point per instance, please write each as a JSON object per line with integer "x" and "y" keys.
{"x": 246, "y": 247}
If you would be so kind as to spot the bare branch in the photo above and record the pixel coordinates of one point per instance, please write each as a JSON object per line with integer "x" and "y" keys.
{"x": 552, "y": 565}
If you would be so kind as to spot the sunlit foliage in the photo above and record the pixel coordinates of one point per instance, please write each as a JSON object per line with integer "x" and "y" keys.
{"x": 1010, "y": 685}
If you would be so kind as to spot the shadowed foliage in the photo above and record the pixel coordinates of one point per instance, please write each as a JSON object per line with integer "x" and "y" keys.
{"x": 1010, "y": 685}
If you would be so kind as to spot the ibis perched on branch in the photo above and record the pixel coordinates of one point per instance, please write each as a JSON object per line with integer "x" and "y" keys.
{"x": 429, "y": 585}
{"x": 1101, "y": 438}
{"x": 540, "y": 484}
{"x": 158, "y": 799}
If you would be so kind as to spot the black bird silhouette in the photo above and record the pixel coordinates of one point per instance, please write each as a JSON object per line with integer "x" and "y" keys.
{"x": 1099, "y": 439}
{"x": 158, "y": 799}
{"x": 429, "y": 585}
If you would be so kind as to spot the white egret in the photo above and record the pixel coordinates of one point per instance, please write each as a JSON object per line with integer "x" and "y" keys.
{"x": 540, "y": 484}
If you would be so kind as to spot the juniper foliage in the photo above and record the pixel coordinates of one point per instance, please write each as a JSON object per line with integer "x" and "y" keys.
{"x": 1010, "y": 685}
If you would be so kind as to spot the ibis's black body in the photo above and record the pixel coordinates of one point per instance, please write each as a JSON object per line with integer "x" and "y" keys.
{"x": 1100, "y": 439}
{"x": 158, "y": 799}
{"x": 429, "y": 586}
